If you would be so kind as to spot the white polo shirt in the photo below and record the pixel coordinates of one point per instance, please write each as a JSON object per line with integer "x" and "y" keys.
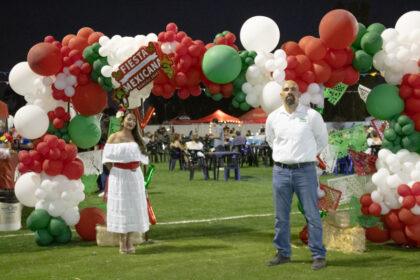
{"x": 297, "y": 137}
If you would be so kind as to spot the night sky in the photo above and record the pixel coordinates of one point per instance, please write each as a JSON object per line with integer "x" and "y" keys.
{"x": 25, "y": 23}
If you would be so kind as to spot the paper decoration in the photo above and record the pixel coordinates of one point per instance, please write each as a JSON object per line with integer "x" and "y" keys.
{"x": 351, "y": 138}
{"x": 333, "y": 95}
{"x": 363, "y": 92}
{"x": 351, "y": 185}
{"x": 364, "y": 164}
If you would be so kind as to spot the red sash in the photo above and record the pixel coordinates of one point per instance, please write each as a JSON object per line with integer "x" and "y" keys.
{"x": 127, "y": 165}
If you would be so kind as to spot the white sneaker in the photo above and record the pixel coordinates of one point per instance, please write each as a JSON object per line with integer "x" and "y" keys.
{"x": 101, "y": 194}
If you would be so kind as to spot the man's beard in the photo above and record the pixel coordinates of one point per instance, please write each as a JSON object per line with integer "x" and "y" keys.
{"x": 290, "y": 99}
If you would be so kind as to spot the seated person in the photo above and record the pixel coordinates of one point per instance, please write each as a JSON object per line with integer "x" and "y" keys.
{"x": 195, "y": 145}
{"x": 239, "y": 140}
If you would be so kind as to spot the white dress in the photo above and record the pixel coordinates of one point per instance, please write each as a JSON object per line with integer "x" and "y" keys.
{"x": 126, "y": 205}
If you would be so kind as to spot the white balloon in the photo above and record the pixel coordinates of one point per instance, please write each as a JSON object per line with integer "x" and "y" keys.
{"x": 270, "y": 98}
{"x": 408, "y": 22}
{"x": 151, "y": 37}
{"x": 384, "y": 208}
{"x": 56, "y": 208}
{"x": 415, "y": 210}
{"x": 31, "y": 121}
{"x": 259, "y": 33}
{"x": 376, "y": 197}
{"x": 389, "y": 34}
{"x": 71, "y": 80}
{"x": 280, "y": 54}
{"x": 269, "y": 65}
{"x": 71, "y": 216}
{"x": 25, "y": 188}
{"x": 103, "y": 40}
{"x": 40, "y": 193}
{"x": 279, "y": 76}
{"x": 22, "y": 78}
{"x": 305, "y": 99}
{"x": 60, "y": 84}
{"x": 107, "y": 71}
{"x": 69, "y": 91}
{"x": 383, "y": 154}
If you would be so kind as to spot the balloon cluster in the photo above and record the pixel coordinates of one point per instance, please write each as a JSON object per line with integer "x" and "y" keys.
{"x": 186, "y": 56}
{"x": 410, "y": 92}
{"x": 239, "y": 99}
{"x": 48, "y": 229}
{"x": 400, "y": 54}
{"x": 394, "y": 199}
{"x": 401, "y": 135}
{"x": 366, "y": 45}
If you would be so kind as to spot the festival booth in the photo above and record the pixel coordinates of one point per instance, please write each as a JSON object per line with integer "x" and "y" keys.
{"x": 255, "y": 116}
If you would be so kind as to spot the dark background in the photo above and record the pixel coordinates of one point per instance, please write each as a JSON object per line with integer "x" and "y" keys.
{"x": 25, "y": 23}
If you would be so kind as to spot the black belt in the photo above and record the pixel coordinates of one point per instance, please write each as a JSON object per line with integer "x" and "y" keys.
{"x": 294, "y": 165}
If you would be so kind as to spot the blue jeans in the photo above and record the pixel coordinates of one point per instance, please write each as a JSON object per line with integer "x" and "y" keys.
{"x": 304, "y": 182}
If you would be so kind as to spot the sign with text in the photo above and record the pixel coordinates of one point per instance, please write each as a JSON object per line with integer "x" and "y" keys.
{"x": 139, "y": 69}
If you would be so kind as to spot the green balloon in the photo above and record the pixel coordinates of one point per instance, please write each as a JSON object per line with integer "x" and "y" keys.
{"x": 253, "y": 54}
{"x": 95, "y": 75}
{"x": 43, "y": 237}
{"x": 362, "y": 61}
{"x": 371, "y": 42}
{"x": 407, "y": 143}
{"x": 57, "y": 226}
{"x": 207, "y": 92}
{"x": 235, "y": 103}
{"x": 361, "y": 31}
{"x": 415, "y": 139}
{"x": 390, "y": 134}
{"x": 84, "y": 131}
{"x": 221, "y": 64}
{"x": 64, "y": 237}
{"x": 240, "y": 97}
{"x": 89, "y": 55}
{"x": 403, "y": 120}
{"x": 244, "y": 106}
{"x": 97, "y": 65}
{"x": 239, "y": 81}
{"x": 376, "y": 27}
{"x": 95, "y": 47}
{"x": 38, "y": 219}
{"x": 243, "y": 54}
{"x": 384, "y": 102}
{"x": 386, "y": 144}
{"x": 408, "y": 129}
{"x": 398, "y": 128}
{"x": 217, "y": 97}
{"x": 65, "y": 137}
{"x": 249, "y": 61}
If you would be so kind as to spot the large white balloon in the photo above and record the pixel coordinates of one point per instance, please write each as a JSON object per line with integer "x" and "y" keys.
{"x": 31, "y": 121}
{"x": 408, "y": 22}
{"x": 25, "y": 188}
{"x": 270, "y": 99}
{"x": 134, "y": 100}
{"x": 260, "y": 34}
{"x": 22, "y": 78}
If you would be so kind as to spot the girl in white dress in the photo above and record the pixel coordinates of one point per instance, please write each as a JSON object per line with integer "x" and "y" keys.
{"x": 126, "y": 204}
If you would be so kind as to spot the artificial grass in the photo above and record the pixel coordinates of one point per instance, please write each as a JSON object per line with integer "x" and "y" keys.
{"x": 225, "y": 249}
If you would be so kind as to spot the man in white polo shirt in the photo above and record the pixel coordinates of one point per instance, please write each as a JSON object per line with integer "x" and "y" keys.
{"x": 296, "y": 134}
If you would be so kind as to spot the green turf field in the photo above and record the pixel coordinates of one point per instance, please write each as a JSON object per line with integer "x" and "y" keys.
{"x": 206, "y": 230}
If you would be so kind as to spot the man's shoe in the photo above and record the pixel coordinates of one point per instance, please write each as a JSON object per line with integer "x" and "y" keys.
{"x": 319, "y": 264}
{"x": 278, "y": 259}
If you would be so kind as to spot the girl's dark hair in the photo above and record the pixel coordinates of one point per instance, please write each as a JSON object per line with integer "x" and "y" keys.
{"x": 136, "y": 133}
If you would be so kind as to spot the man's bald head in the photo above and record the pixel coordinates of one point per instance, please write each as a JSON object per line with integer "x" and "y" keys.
{"x": 290, "y": 93}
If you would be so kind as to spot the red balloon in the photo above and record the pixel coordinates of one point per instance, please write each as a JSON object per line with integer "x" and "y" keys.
{"x": 417, "y": 199}
{"x": 195, "y": 91}
{"x": 170, "y": 36}
{"x": 61, "y": 144}
{"x": 366, "y": 200}
{"x": 407, "y": 217}
{"x": 303, "y": 235}
{"x": 230, "y": 38}
{"x": 404, "y": 190}
{"x": 66, "y": 39}
{"x": 308, "y": 77}
{"x": 303, "y": 86}
{"x": 337, "y": 76}
{"x": 180, "y": 35}
{"x": 168, "y": 89}
{"x": 35, "y": 155}
{"x": 305, "y": 41}
{"x": 322, "y": 71}
{"x": 365, "y": 210}
{"x": 392, "y": 221}
{"x": 86, "y": 68}
{"x": 157, "y": 90}
{"x": 193, "y": 77}
{"x": 291, "y": 48}
{"x": 414, "y": 80}
{"x": 413, "y": 232}
{"x": 24, "y": 157}
{"x": 412, "y": 105}
{"x": 23, "y": 168}
{"x": 399, "y": 237}
{"x": 71, "y": 151}
{"x": 89, "y": 218}
{"x": 375, "y": 209}
{"x": 290, "y": 74}
{"x": 409, "y": 202}
{"x": 85, "y": 32}
{"x": 214, "y": 88}
{"x": 336, "y": 58}
{"x": 94, "y": 37}
{"x": 181, "y": 49}
{"x": 315, "y": 49}
{"x": 172, "y": 27}
{"x": 36, "y": 166}
{"x": 292, "y": 62}
{"x": 350, "y": 56}
{"x": 52, "y": 167}
{"x": 338, "y": 29}
{"x": 304, "y": 64}
{"x": 54, "y": 154}
{"x": 89, "y": 99}
{"x": 352, "y": 76}
{"x": 183, "y": 93}
{"x": 227, "y": 89}
{"x": 45, "y": 59}
{"x": 377, "y": 235}
{"x": 58, "y": 123}
{"x": 180, "y": 79}
{"x": 43, "y": 148}
{"x": 194, "y": 50}
{"x": 415, "y": 189}
{"x": 74, "y": 169}
{"x": 78, "y": 43}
